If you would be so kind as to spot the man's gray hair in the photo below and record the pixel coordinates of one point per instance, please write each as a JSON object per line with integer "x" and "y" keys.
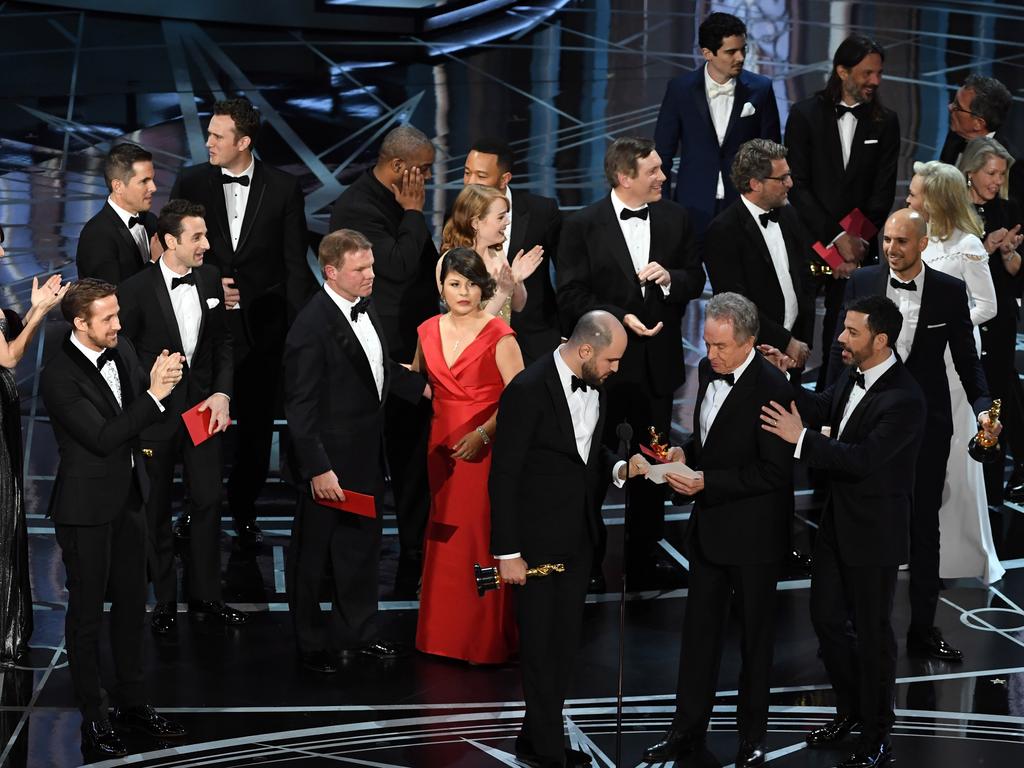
{"x": 738, "y": 310}
{"x": 403, "y": 141}
{"x": 754, "y": 161}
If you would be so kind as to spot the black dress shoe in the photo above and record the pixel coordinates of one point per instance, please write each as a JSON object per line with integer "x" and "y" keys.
{"x": 574, "y": 758}
{"x": 675, "y": 745}
{"x": 147, "y": 720}
{"x": 249, "y": 534}
{"x": 98, "y": 738}
{"x": 1015, "y": 485}
{"x": 164, "y": 618}
{"x": 216, "y": 611}
{"x": 929, "y": 644}
{"x": 832, "y": 732}
{"x": 319, "y": 661}
{"x": 380, "y": 650}
{"x": 750, "y": 753}
{"x": 183, "y": 526}
{"x": 872, "y": 758}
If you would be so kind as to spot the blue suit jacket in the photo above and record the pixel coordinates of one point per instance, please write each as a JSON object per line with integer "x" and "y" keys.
{"x": 685, "y": 125}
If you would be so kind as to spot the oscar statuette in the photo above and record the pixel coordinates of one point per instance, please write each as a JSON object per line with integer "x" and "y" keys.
{"x": 487, "y": 576}
{"x": 983, "y": 448}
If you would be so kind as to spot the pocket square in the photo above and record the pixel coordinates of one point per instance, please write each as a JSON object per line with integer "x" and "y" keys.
{"x": 870, "y": 141}
{"x": 938, "y": 325}
{"x": 748, "y": 110}
{"x": 211, "y": 303}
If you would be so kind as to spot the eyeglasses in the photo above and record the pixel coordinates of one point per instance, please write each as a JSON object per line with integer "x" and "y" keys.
{"x": 954, "y": 106}
{"x": 783, "y": 178}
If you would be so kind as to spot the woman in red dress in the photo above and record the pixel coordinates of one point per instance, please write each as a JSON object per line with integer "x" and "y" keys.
{"x": 468, "y": 355}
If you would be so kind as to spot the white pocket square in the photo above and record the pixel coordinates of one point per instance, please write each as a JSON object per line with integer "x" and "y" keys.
{"x": 211, "y": 303}
{"x": 870, "y": 141}
{"x": 937, "y": 325}
{"x": 748, "y": 110}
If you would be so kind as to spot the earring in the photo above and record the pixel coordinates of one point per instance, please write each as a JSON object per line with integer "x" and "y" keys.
{"x": 969, "y": 182}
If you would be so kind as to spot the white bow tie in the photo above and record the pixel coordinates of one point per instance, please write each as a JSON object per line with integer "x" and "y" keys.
{"x": 716, "y": 89}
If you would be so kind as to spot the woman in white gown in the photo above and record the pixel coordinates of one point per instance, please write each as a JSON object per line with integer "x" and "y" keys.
{"x": 939, "y": 193}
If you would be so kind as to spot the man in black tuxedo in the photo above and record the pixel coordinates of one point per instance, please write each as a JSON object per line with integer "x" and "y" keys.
{"x": 757, "y": 247}
{"x": 632, "y": 254}
{"x": 873, "y": 422}
{"x": 533, "y": 220}
{"x": 179, "y": 306}
{"x": 980, "y": 108}
{"x": 258, "y": 241}
{"x": 738, "y": 536}
{"x": 338, "y": 377}
{"x": 97, "y": 399}
{"x": 117, "y": 242}
{"x": 386, "y": 205}
{"x": 843, "y": 149}
{"x": 548, "y": 474}
{"x": 935, "y": 315}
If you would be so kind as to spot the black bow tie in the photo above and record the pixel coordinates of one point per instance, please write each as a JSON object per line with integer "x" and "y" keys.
{"x": 764, "y": 218}
{"x": 857, "y": 111}
{"x": 911, "y": 286}
{"x": 728, "y": 378}
{"x": 626, "y": 214}
{"x": 360, "y": 306}
{"x": 577, "y": 383}
{"x": 243, "y": 180}
{"x": 189, "y": 279}
{"x": 858, "y": 378}
{"x": 133, "y": 220}
{"x": 107, "y": 356}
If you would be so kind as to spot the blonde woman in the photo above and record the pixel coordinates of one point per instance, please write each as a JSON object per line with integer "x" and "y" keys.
{"x": 478, "y": 221}
{"x": 938, "y": 192}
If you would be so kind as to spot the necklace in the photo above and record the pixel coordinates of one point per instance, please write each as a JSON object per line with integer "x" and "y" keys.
{"x": 462, "y": 336}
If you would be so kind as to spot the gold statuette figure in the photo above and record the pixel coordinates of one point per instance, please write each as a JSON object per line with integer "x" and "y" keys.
{"x": 487, "y": 577}
{"x": 982, "y": 447}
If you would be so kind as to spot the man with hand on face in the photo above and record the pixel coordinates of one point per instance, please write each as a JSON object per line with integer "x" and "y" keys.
{"x": 96, "y": 397}
{"x": 118, "y": 241}
{"x": 179, "y": 305}
{"x": 738, "y": 536}
{"x": 872, "y": 421}
{"x": 258, "y": 240}
{"x": 338, "y": 377}
{"x": 631, "y": 254}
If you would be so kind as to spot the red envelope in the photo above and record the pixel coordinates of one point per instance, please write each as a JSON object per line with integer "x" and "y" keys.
{"x": 198, "y": 424}
{"x": 829, "y": 255}
{"x": 356, "y": 503}
{"x": 652, "y": 455}
{"x": 858, "y": 225}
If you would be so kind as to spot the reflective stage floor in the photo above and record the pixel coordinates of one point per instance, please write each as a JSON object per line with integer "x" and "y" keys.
{"x": 560, "y": 78}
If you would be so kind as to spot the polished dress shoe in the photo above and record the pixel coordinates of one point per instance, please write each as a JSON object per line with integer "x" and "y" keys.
{"x": 750, "y": 753}
{"x": 676, "y": 744}
{"x": 834, "y": 731}
{"x": 574, "y": 758}
{"x": 216, "y": 611}
{"x": 183, "y": 526}
{"x": 164, "y": 618}
{"x": 323, "y": 662}
{"x": 98, "y": 738}
{"x": 147, "y": 720}
{"x": 871, "y": 758}
{"x": 929, "y": 644}
{"x": 249, "y": 534}
{"x": 1015, "y": 486}
{"x": 379, "y": 649}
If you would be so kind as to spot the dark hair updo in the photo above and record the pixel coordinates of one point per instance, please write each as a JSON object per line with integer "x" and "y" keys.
{"x": 467, "y": 262}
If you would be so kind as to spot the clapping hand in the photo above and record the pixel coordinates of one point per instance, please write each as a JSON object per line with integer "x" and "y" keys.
{"x": 654, "y": 273}
{"x": 165, "y": 374}
{"x": 506, "y": 280}
{"x": 46, "y": 297}
{"x": 525, "y": 264}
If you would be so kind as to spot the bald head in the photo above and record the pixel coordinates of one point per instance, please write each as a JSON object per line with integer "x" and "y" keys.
{"x": 904, "y": 239}
{"x": 595, "y": 347}
{"x": 910, "y": 218}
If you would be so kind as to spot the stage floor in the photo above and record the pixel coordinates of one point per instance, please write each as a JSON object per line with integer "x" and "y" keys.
{"x": 561, "y": 79}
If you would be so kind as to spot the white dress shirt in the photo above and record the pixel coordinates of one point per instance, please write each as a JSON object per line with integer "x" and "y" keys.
{"x": 720, "y": 100}
{"x": 776, "y": 243}
{"x": 138, "y": 232}
{"x": 637, "y": 233}
{"x": 508, "y": 220}
{"x": 909, "y": 303}
{"x": 187, "y": 310}
{"x": 716, "y": 394}
{"x": 236, "y": 197}
{"x": 366, "y": 334}
{"x": 847, "y": 125}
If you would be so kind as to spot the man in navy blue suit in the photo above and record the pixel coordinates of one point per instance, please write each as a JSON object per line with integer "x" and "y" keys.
{"x": 705, "y": 116}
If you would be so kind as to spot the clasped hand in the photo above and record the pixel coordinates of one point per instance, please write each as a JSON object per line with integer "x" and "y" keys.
{"x": 165, "y": 373}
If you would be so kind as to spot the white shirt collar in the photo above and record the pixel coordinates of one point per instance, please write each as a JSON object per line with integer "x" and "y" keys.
{"x": 755, "y": 210}
{"x": 743, "y": 366}
{"x": 565, "y": 373}
{"x": 710, "y": 82}
{"x": 343, "y": 304}
{"x": 875, "y": 373}
{"x": 169, "y": 274}
{"x": 90, "y": 355}
{"x": 121, "y": 212}
{"x": 247, "y": 172}
{"x": 618, "y": 206}
{"x": 915, "y": 278}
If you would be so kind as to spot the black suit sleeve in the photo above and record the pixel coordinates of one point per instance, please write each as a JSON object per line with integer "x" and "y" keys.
{"x": 800, "y": 141}
{"x": 575, "y": 294}
{"x": 220, "y": 335}
{"x": 552, "y": 232}
{"x": 305, "y": 371}
{"x": 299, "y": 281}
{"x": 668, "y": 131}
{"x": 883, "y": 188}
{"x": 404, "y": 383}
{"x": 518, "y": 416}
{"x": 688, "y": 278}
{"x": 96, "y": 257}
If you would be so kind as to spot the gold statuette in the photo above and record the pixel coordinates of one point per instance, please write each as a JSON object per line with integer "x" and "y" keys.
{"x": 982, "y": 447}
{"x": 659, "y": 450}
{"x": 487, "y": 577}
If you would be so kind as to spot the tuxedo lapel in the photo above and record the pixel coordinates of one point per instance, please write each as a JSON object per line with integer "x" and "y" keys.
{"x": 857, "y": 147}
{"x": 95, "y": 377}
{"x": 562, "y": 415}
{"x": 520, "y": 222}
{"x": 219, "y": 214}
{"x": 616, "y": 242}
{"x": 163, "y": 302}
{"x": 740, "y": 97}
{"x": 929, "y": 308}
{"x": 203, "y": 308}
{"x": 830, "y": 125}
{"x": 752, "y": 228}
{"x": 348, "y": 341}
{"x": 595, "y": 441}
{"x": 721, "y": 425}
{"x": 125, "y": 234}
{"x": 700, "y": 103}
{"x": 257, "y": 189}
{"x": 375, "y": 320}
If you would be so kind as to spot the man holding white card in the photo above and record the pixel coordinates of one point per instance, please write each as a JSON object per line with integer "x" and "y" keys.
{"x": 738, "y": 536}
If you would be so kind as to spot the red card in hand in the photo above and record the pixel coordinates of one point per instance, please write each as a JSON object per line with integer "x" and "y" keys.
{"x": 652, "y": 455}
{"x": 830, "y": 255}
{"x": 858, "y": 225}
{"x": 356, "y": 503}
{"x": 198, "y": 424}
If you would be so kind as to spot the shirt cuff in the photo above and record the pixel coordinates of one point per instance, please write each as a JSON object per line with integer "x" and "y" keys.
{"x": 222, "y": 395}
{"x": 158, "y": 403}
{"x": 666, "y": 289}
{"x": 508, "y": 557}
{"x": 615, "y": 474}
{"x": 799, "y": 443}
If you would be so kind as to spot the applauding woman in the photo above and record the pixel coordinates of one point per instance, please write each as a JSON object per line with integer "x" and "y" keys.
{"x": 469, "y": 355}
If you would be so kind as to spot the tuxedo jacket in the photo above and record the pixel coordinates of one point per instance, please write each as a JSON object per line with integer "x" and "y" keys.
{"x": 107, "y": 250}
{"x": 147, "y": 318}
{"x": 744, "y": 513}
{"x": 335, "y": 416}
{"x": 685, "y": 128}
{"x": 595, "y": 272}
{"x": 404, "y": 259}
{"x": 945, "y": 319}
{"x": 823, "y": 191}
{"x": 954, "y": 146}
{"x": 871, "y": 465}
{"x": 97, "y": 439}
{"x": 536, "y": 220}
{"x": 738, "y": 260}
{"x": 544, "y": 497}
{"x": 999, "y": 335}
{"x": 269, "y": 265}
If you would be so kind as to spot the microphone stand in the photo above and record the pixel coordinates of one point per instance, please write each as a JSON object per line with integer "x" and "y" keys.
{"x": 625, "y": 434}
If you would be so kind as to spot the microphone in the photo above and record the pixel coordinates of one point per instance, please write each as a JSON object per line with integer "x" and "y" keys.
{"x": 624, "y": 432}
